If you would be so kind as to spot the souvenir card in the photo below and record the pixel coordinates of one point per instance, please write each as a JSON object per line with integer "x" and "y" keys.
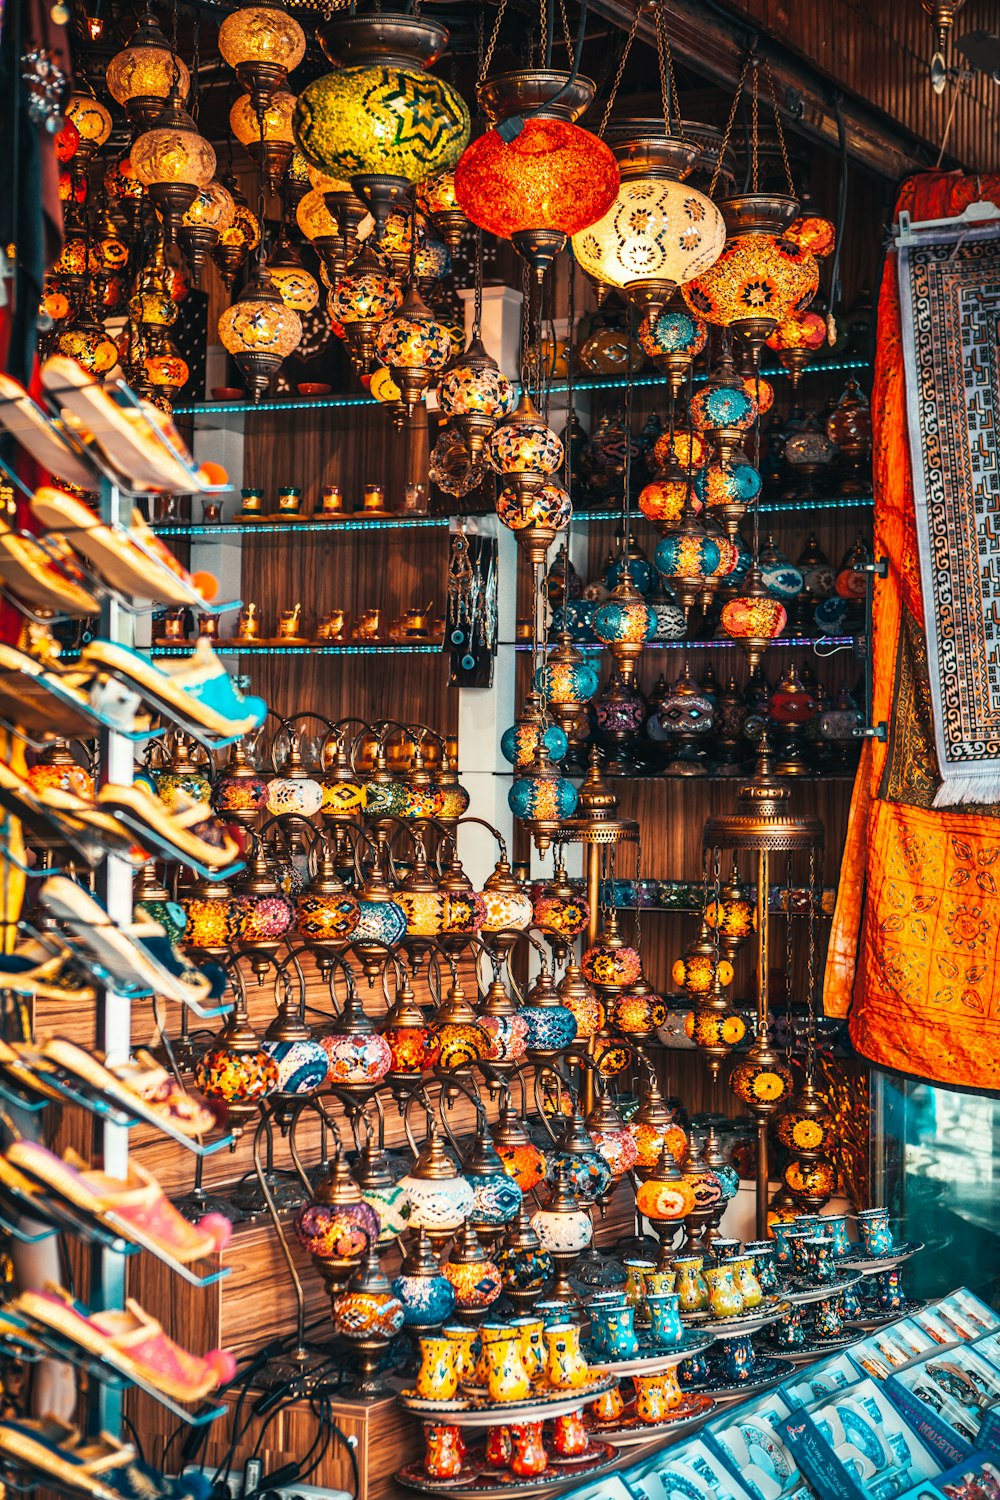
{"x": 857, "y": 1446}
{"x": 958, "y": 1385}
{"x": 810, "y": 1385}
{"x": 988, "y": 1348}
{"x": 976, "y": 1478}
{"x": 691, "y": 1471}
{"x": 747, "y": 1438}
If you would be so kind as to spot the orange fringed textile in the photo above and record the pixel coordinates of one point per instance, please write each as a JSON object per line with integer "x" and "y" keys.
{"x": 915, "y": 945}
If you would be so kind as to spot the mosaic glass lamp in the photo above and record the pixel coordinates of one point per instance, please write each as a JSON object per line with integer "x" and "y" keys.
{"x": 337, "y": 1226}
{"x": 440, "y": 1198}
{"x": 521, "y": 1158}
{"x": 436, "y": 197}
{"x": 381, "y": 119}
{"x": 537, "y": 178}
{"x": 673, "y": 338}
{"x": 758, "y": 281}
{"x": 297, "y": 287}
{"x": 659, "y": 232}
{"x": 415, "y": 346}
{"x": 93, "y": 123}
{"x": 260, "y": 332}
{"x": 262, "y": 44}
{"x": 723, "y": 409}
{"x": 476, "y": 395}
{"x": 209, "y": 214}
{"x": 427, "y": 1295}
{"x": 362, "y": 301}
{"x": 267, "y": 138}
{"x": 624, "y": 624}
{"x": 172, "y": 161}
{"x": 754, "y": 618}
{"x": 542, "y": 799}
{"x": 140, "y": 77}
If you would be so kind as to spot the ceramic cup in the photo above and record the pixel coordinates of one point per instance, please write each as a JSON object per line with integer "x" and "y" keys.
{"x": 788, "y": 1332}
{"x": 835, "y": 1225}
{"x": 616, "y": 1335}
{"x": 437, "y": 1376}
{"x": 530, "y": 1331}
{"x": 761, "y": 1253}
{"x": 828, "y": 1320}
{"x": 819, "y": 1252}
{"x": 467, "y": 1346}
{"x": 725, "y": 1249}
{"x": 692, "y": 1287}
{"x": 444, "y": 1450}
{"x": 889, "y": 1290}
{"x": 609, "y": 1405}
{"x": 555, "y": 1312}
{"x": 659, "y": 1283}
{"x": 800, "y": 1252}
{"x": 737, "y": 1360}
{"x": 694, "y": 1370}
{"x": 783, "y": 1233}
{"x": 876, "y": 1235}
{"x": 665, "y": 1327}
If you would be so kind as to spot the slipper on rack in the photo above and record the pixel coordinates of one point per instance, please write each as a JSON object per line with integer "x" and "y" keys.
{"x": 197, "y": 691}
{"x": 34, "y": 970}
{"x": 185, "y": 831}
{"x": 131, "y": 1342}
{"x": 44, "y": 577}
{"x": 55, "y": 1456}
{"x": 40, "y": 437}
{"x": 138, "y": 443}
{"x": 135, "y": 1206}
{"x": 138, "y": 957}
{"x": 141, "y": 1086}
{"x": 27, "y": 1079}
{"x": 91, "y": 831}
{"x": 130, "y": 559}
{"x": 44, "y": 698}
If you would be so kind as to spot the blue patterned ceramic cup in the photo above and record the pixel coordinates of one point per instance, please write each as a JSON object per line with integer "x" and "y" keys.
{"x": 737, "y": 1359}
{"x": 876, "y": 1235}
{"x": 835, "y": 1227}
{"x": 613, "y": 1331}
{"x": 783, "y": 1233}
{"x": 788, "y": 1332}
{"x": 828, "y": 1320}
{"x": 800, "y": 1244}
{"x": 725, "y": 1249}
{"x": 693, "y": 1371}
{"x": 665, "y": 1327}
{"x": 850, "y": 1303}
{"x": 552, "y": 1313}
{"x": 889, "y": 1291}
{"x": 761, "y": 1253}
{"x": 822, "y": 1266}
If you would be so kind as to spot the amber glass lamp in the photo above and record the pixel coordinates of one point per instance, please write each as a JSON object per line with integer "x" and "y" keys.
{"x": 141, "y": 76}
{"x": 754, "y": 618}
{"x": 262, "y": 44}
{"x": 93, "y": 124}
{"x": 436, "y": 197}
{"x": 211, "y": 211}
{"x": 297, "y": 288}
{"x": 362, "y": 301}
{"x": 237, "y": 238}
{"x": 539, "y": 178}
{"x": 415, "y": 346}
{"x": 796, "y": 341}
{"x": 172, "y": 161}
{"x": 759, "y": 280}
{"x": 259, "y": 331}
{"x": 266, "y": 137}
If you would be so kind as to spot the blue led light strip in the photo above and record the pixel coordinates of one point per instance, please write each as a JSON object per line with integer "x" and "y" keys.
{"x": 224, "y": 529}
{"x": 228, "y": 648}
{"x": 795, "y": 642}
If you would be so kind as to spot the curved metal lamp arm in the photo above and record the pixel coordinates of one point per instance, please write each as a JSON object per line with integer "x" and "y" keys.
{"x": 501, "y": 841}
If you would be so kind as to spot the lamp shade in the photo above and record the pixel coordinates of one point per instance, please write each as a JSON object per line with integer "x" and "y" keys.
{"x": 276, "y": 119}
{"x": 140, "y": 76}
{"x": 262, "y": 34}
{"x": 212, "y": 208}
{"x": 656, "y": 231}
{"x": 756, "y": 276}
{"x": 259, "y": 331}
{"x": 173, "y": 152}
{"x": 551, "y": 176}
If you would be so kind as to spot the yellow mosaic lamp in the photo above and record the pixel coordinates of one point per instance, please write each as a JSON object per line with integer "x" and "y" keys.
{"x": 211, "y": 211}
{"x": 266, "y": 137}
{"x": 259, "y": 331}
{"x": 262, "y": 44}
{"x": 140, "y": 77}
{"x": 172, "y": 161}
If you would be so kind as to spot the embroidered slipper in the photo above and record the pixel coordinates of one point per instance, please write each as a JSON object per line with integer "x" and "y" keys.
{"x": 140, "y": 1086}
{"x": 138, "y": 958}
{"x": 131, "y": 1342}
{"x": 35, "y": 970}
{"x": 44, "y": 577}
{"x": 197, "y": 690}
{"x": 185, "y": 831}
{"x": 90, "y": 831}
{"x": 145, "y": 449}
{"x": 130, "y": 560}
{"x": 135, "y": 1205}
{"x": 39, "y": 436}
{"x": 53, "y": 1453}
{"x": 27, "y": 1080}
{"x": 46, "y": 699}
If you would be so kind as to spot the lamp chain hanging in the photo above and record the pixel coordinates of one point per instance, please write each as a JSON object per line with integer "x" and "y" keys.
{"x": 668, "y": 81}
{"x": 477, "y": 305}
{"x": 811, "y": 976}
{"x": 755, "y": 127}
{"x": 620, "y": 72}
{"x": 487, "y": 59}
{"x": 567, "y": 431}
{"x": 727, "y": 133}
{"x": 629, "y": 396}
{"x": 567, "y": 34}
{"x": 778, "y": 129}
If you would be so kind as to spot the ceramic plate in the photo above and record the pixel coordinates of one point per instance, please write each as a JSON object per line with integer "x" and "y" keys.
{"x": 816, "y": 1348}
{"x": 426, "y": 1406}
{"x": 476, "y": 1480}
{"x": 767, "y": 1371}
{"x": 481, "y": 1412}
{"x": 800, "y": 1292}
{"x": 869, "y": 1263}
{"x": 744, "y": 1323}
{"x": 869, "y": 1321}
{"x": 628, "y": 1430}
{"x": 650, "y": 1360}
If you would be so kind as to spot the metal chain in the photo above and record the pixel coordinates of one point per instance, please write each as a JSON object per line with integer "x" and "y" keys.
{"x": 668, "y": 81}
{"x": 629, "y": 400}
{"x": 729, "y": 125}
{"x": 619, "y": 75}
{"x": 477, "y": 314}
{"x": 491, "y": 45}
{"x": 811, "y": 976}
{"x": 781, "y": 134}
{"x": 755, "y": 127}
{"x": 567, "y": 34}
{"x": 789, "y": 954}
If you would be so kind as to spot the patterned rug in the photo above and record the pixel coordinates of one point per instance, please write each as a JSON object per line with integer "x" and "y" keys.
{"x": 949, "y": 285}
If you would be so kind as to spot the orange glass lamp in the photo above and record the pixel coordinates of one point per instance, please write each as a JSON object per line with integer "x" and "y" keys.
{"x": 758, "y": 281}
{"x": 796, "y": 340}
{"x": 536, "y": 177}
{"x": 666, "y": 1198}
{"x": 702, "y": 967}
{"x": 813, "y": 234}
{"x": 211, "y": 211}
{"x": 362, "y": 301}
{"x": 93, "y": 124}
{"x": 141, "y": 76}
{"x": 260, "y": 332}
{"x": 266, "y": 137}
{"x": 238, "y": 238}
{"x": 262, "y": 44}
{"x": 436, "y": 198}
{"x": 172, "y": 161}
{"x": 476, "y": 395}
{"x": 415, "y": 346}
{"x": 754, "y": 618}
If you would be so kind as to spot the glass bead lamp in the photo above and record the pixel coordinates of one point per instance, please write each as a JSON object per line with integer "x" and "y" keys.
{"x": 565, "y": 1229}
{"x": 551, "y": 1025}
{"x": 427, "y": 1296}
{"x": 506, "y": 1031}
{"x": 525, "y": 1268}
{"x": 214, "y": 918}
{"x": 337, "y": 1227}
{"x": 440, "y": 1198}
{"x": 688, "y": 450}
{"x": 508, "y": 908}
{"x": 362, "y": 301}
{"x": 358, "y": 1056}
{"x": 381, "y": 119}
{"x": 238, "y": 238}
{"x": 726, "y": 488}
{"x": 578, "y": 996}
{"x": 659, "y": 232}
{"x": 297, "y": 288}
{"x": 688, "y": 559}
{"x": 653, "y": 1126}
{"x": 262, "y": 44}
{"x": 542, "y": 799}
{"x": 381, "y": 1192}
{"x": 535, "y": 180}
{"x": 666, "y": 1198}
{"x": 267, "y": 913}
{"x": 415, "y": 346}
{"x": 577, "y": 1155}
{"x": 474, "y": 1277}
{"x": 757, "y": 282}
{"x": 172, "y": 161}
{"x": 436, "y": 197}
{"x": 796, "y": 340}
{"x": 733, "y": 914}
{"x": 460, "y": 1038}
{"x": 85, "y": 341}
{"x": 561, "y": 912}
{"x": 523, "y": 449}
{"x": 476, "y": 395}
{"x": 624, "y": 624}
{"x": 612, "y": 1138}
{"x": 754, "y": 618}
{"x": 521, "y": 1158}
{"x": 567, "y": 681}
{"x": 412, "y": 1041}
{"x": 812, "y": 233}
{"x": 497, "y": 1196}
{"x": 722, "y": 409}
{"x": 367, "y": 1316}
{"x": 666, "y": 499}
{"x": 519, "y": 742}
{"x": 673, "y": 338}
{"x": 140, "y": 77}
{"x": 295, "y": 790}
{"x": 762, "y": 1079}
{"x": 259, "y": 331}
{"x": 610, "y": 965}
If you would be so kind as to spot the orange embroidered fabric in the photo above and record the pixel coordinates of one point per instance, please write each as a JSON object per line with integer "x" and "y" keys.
{"x": 915, "y": 941}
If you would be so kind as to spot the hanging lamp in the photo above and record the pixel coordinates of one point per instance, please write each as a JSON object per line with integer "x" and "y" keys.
{"x": 262, "y": 44}
{"x": 172, "y": 161}
{"x": 140, "y": 77}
